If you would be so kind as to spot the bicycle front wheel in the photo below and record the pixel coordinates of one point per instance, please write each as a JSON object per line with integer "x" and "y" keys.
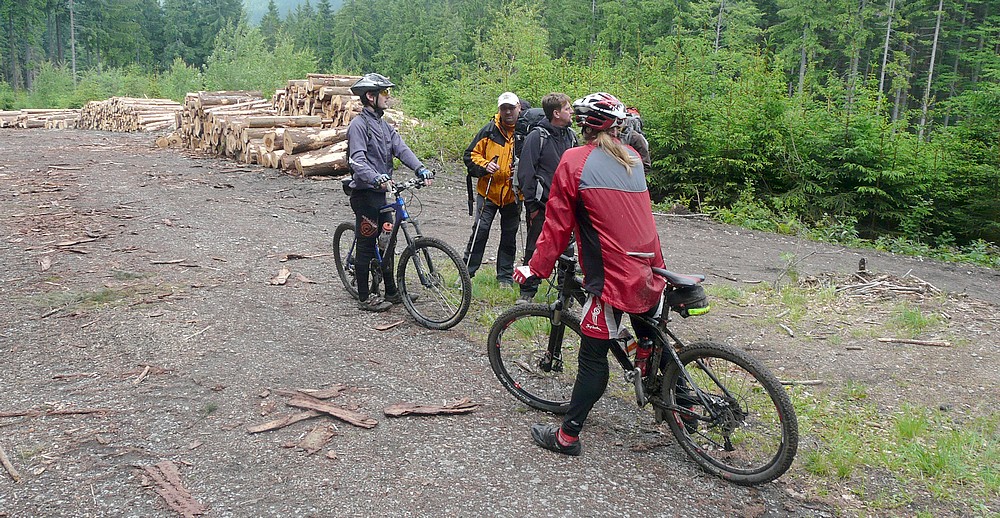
{"x": 737, "y": 422}
{"x": 518, "y": 348}
{"x": 434, "y": 283}
{"x": 344, "y": 241}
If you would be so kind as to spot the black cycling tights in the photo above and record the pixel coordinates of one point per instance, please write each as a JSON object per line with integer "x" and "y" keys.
{"x": 591, "y": 378}
{"x": 368, "y": 222}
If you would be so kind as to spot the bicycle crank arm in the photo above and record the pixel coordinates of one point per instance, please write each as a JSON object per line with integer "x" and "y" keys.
{"x": 635, "y": 376}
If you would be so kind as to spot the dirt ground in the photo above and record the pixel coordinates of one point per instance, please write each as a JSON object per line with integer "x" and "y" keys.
{"x": 140, "y": 332}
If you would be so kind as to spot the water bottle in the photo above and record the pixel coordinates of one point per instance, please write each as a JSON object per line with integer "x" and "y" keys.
{"x": 642, "y": 353}
{"x": 383, "y": 237}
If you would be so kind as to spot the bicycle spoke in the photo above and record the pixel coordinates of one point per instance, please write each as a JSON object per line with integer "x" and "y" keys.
{"x": 518, "y": 344}
{"x": 738, "y": 421}
{"x": 435, "y": 284}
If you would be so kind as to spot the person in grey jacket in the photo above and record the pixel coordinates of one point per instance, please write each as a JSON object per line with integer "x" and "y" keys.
{"x": 372, "y": 143}
{"x": 543, "y": 148}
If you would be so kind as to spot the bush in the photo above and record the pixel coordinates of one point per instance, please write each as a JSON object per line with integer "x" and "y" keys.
{"x": 179, "y": 80}
{"x": 7, "y": 96}
{"x": 241, "y": 61}
{"x": 52, "y": 88}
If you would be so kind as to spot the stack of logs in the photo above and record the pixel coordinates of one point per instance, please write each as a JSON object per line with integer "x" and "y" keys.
{"x": 39, "y": 118}
{"x": 324, "y": 95}
{"x": 129, "y": 114}
{"x": 301, "y": 130}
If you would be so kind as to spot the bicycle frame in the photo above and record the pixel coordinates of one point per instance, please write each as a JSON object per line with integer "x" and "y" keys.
{"x": 664, "y": 340}
{"x": 401, "y": 219}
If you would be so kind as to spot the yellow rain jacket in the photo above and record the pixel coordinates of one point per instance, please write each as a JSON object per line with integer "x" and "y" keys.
{"x": 493, "y": 142}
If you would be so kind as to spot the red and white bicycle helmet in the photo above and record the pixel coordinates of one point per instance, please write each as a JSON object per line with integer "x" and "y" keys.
{"x": 601, "y": 111}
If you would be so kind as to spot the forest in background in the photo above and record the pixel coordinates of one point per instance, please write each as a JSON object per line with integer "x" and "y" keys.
{"x": 843, "y": 119}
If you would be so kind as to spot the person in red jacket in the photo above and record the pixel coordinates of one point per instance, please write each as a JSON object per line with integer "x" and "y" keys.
{"x": 598, "y": 191}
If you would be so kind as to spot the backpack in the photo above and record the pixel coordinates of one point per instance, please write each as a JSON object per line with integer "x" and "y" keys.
{"x": 526, "y": 122}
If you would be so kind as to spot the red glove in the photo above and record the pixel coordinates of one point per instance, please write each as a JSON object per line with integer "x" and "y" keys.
{"x": 522, "y": 274}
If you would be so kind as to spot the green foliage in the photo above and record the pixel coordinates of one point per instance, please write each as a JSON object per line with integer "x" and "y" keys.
{"x": 180, "y": 79}
{"x": 240, "y": 61}
{"x": 51, "y": 87}
{"x": 778, "y": 115}
{"x": 7, "y": 96}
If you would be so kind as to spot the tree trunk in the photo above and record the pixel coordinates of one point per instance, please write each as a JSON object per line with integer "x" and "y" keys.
{"x": 954, "y": 70}
{"x": 930, "y": 73}
{"x": 802, "y": 60}
{"x": 72, "y": 38}
{"x": 856, "y": 49}
{"x": 301, "y": 140}
{"x": 326, "y": 161}
{"x": 718, "y": 25}
{"x": 885, "y": 53}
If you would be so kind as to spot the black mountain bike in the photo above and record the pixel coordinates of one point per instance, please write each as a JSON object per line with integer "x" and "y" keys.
{"x": 727, "y": 411}
{"x": 431, "y": 277}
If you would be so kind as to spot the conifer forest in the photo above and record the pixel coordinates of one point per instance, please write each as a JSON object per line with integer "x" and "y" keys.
{"x": 875, "y": 120}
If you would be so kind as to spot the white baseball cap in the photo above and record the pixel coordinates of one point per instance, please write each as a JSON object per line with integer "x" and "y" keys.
{"x": 508, "y": 98}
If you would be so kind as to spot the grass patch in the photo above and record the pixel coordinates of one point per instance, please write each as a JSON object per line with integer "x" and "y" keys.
{"x": 925, "y": 449}
{"x": 120, "y": 275}
{"x": 84, "y": 299}
{"x": 909, "y": 322}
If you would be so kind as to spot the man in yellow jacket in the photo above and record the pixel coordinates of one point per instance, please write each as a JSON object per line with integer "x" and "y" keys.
{"x": 490, "y": 158}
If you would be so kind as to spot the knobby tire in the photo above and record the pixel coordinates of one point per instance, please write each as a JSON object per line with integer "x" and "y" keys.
{"x": 434, "y": 283}
{"x": 517, "y": 344}
{"x": 752, "y": 435}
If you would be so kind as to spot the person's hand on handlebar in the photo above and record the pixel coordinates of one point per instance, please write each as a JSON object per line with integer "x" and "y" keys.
{"x": 426, "y": 175}
{"x": 522, "y": 274}
{"x": 383, "y": 181}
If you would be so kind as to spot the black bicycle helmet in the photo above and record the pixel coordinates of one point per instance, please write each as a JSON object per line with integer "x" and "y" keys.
{"x": 371, "y": 83}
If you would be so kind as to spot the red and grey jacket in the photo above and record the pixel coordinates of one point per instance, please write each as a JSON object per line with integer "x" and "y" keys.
{"x": 594, "y": 195}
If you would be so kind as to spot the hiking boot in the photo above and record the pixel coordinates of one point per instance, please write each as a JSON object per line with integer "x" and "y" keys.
{"x": 397, "y": 298}
{"x": 374, "y": 304}
{"x": 525, "y": 298}
{"x": 545, "y": 436}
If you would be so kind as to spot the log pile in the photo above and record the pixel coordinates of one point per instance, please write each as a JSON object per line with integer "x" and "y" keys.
{"x": 324, "y": 95}
{"x": 39, "y": 118}
{"x": 301, "y": 130}
{"x": 129, "y": 114}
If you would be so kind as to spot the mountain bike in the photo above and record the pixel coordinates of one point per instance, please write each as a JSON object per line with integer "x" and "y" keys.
{"x": 727, "y": 411}
{"x": 433, "y": 281}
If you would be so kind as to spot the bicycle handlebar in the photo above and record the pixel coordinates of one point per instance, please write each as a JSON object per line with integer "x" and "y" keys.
{"x": 409, "y": 184}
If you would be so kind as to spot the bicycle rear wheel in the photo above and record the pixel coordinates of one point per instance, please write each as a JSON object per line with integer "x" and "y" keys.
{"x": 518, "y": 348}
{"x": 739, "y": 423}
{"x": 434, "y": 283}
{"x": 343, "y": 255}
{"x": 344, "y": 251}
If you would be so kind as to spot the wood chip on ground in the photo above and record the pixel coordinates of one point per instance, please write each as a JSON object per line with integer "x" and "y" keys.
{"x": 167, "y": 478}
{"x": 462, "y": 406}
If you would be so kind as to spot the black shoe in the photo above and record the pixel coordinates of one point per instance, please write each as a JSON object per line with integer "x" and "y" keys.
{"x": 545, "y": 436}
{"x": 374, "y": 304}
{"x": 397, "y": 298}
{"x": 525, "y": 298}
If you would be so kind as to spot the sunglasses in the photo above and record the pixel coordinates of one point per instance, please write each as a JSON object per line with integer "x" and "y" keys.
{"x": 385, "y": 93}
